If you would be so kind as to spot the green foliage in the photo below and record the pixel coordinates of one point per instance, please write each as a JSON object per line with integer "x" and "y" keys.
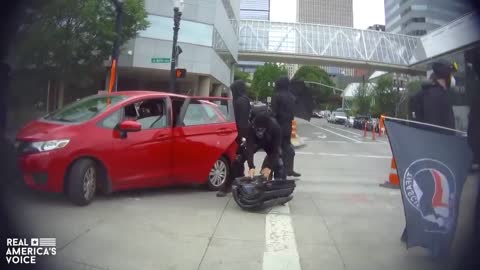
{"x": 268, "y": 73}
{"x": 362, "y": 100}
{"x": 70, "y": 37}
{"x": 316, "y": 74}
{"x": 385, "y": 97}
{"x": 242, "y": 75}
{"x": 414, "y": 86}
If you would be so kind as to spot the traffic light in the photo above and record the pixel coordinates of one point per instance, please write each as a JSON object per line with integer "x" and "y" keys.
{"x": 180, "y": 73}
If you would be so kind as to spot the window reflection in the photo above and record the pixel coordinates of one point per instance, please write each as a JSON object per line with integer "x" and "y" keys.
{"x": 190, "y": 32}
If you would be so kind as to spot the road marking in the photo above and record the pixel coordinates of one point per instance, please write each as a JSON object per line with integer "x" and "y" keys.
{"x": 338, "y": 134}
{"x": 357, "y": 135}
{"x": 280, "y": 244}
{"x": 304, "y": 153}
{"x": 332, "y": 154}
{"x": 351, "y": 132}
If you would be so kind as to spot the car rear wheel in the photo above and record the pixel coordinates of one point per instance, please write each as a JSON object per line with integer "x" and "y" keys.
{"x": 82, "y": 182}
{"x": 218, "y": 174}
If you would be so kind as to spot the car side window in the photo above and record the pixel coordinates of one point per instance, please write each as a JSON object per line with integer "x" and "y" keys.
{"x": 203, "y": 113}
{"x": 113, "y": 119}
{"x": 150, "y": 114}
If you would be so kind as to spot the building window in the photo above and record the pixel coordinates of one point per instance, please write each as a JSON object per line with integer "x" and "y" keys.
{"x": 417, "y": 33}
{"x": 190, "y": 32}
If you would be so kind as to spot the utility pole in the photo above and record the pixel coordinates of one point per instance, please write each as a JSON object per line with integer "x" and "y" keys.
{"x": 177, "y": 15}
{"x": 112, "y": 86}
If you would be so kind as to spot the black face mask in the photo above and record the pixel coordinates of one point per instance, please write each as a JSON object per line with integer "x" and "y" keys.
{"x": 260, "y": 132}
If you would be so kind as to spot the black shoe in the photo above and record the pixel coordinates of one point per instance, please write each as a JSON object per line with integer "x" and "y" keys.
{"x": 294, "y": 174}
{"x": 221, "y": 193}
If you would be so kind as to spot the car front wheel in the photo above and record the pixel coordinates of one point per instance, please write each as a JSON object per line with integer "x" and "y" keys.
{"x": 218, "y": 174}
{"x": 82, "y": 181}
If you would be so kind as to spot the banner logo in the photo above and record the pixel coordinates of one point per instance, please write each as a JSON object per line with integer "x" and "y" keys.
{"x": 429, "y": 186}
{"x": 25, "y": 251}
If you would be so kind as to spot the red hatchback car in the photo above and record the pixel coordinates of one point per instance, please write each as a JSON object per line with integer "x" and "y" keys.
{"x": 126, "y": 140}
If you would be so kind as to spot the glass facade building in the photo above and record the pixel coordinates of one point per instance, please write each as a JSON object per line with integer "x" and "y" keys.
{"x": 255, "y": 10}
{"x": 419, "y": 17}
{"x": 329, "y": 12}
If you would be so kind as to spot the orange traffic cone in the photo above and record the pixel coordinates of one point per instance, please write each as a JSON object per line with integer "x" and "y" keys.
{"x": 393, "y": 180}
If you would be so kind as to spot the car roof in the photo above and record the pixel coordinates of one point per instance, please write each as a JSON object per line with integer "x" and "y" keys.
{"x": 143, "y": 93}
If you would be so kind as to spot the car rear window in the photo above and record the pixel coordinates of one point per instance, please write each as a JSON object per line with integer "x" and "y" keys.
{"x": 84, "y": 109}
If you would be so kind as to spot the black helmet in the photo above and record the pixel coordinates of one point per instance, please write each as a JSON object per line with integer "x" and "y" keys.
{"x": 443, "y": 69}
{"x": 239, "y": 88}
{"x": 282, "y": 84}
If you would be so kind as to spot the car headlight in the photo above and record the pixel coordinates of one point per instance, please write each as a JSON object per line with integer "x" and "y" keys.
{"x": 44, "y": 146}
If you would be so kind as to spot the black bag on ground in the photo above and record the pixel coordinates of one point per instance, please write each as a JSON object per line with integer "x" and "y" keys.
{"x": 257, "y": 193}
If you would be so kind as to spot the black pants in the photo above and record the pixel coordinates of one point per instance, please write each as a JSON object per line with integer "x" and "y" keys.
{"x": 288, "y": 152}
{"x": 237, "y": 169}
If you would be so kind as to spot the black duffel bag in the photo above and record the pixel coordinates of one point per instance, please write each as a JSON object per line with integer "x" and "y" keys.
{"x": 257, "y": 193}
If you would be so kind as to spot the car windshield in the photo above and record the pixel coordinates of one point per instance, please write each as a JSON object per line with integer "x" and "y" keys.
{"x": 84, "y": 109}
{"x": 340, "y": 113}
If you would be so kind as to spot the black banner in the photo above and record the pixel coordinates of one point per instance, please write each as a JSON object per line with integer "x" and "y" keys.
{"x": 432, "y": 167}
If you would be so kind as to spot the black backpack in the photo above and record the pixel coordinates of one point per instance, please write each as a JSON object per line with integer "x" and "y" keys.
{"x": 259, "y": 109}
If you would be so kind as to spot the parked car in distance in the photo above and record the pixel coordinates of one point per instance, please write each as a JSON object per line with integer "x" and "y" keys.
{"x": 128, "y": 140}
{"x": 359, "y": 121}
{"x": 317, "y": 114}
{"x": 349, "y": 122}
{"x": 339, "y": 117}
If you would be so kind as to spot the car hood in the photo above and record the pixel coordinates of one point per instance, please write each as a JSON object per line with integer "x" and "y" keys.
{"x": 340, "y": 116}
{"x": 43, "y": 130}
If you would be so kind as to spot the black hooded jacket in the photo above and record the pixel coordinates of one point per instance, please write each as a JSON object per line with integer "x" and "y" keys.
{"x": 283, "y": 102}
{"x": 434, "y": 106}
{"x": 271, "y": 142}
{"x": 241, "y": 108}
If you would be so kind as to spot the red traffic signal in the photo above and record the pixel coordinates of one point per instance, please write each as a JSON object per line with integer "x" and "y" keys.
{"x": 180, "y": 73}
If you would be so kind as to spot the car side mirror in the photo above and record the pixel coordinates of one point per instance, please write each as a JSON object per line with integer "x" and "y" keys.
{"x": 129, "y": 126}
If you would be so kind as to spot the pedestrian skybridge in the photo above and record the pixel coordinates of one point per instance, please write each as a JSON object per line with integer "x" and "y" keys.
{"x": 302, "y": 43}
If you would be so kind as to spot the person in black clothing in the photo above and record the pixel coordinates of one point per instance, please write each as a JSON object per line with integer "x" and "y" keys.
{"x": 241, "y": 108}
{"x": 432, "y": 105}
{"x": 283, "y": 108}
{"x": 266, "y": 134}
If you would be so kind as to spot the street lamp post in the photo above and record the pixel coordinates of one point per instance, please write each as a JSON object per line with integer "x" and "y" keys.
{"x": 177, "y": 14}
{"x": 112, "y": 86}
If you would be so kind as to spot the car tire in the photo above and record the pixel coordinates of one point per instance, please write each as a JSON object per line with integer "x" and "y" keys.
{"x": 218, "y": 174}
{"x": 82, "y": 182}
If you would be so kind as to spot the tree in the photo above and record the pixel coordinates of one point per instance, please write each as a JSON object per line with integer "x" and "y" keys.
{"x": 386, "y": 97}
{"x": 263, "y": 78}
{"x": 242, "y": 75}
{"x": 362, "y": 100}
{"x": 321, "y": 94}
{"x": 68, "y": 39}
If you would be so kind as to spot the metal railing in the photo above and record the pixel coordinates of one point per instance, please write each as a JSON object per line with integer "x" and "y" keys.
{"x": 326, "y": 41}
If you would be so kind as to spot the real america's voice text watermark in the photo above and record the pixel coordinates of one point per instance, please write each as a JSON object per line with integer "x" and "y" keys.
{"x": 26, "y": 251}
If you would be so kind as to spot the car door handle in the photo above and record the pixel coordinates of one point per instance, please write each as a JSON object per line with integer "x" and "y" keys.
{"x": 162, "y": 136}
{"x": 224, "y": 131}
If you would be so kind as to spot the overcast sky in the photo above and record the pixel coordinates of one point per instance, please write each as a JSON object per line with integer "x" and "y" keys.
{"x": 365, "y": 12}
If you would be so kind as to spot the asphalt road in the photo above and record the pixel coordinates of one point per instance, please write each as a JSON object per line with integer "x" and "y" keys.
{"x": 339, "y": 219}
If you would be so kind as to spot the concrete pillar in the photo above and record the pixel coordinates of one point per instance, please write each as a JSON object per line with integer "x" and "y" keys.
{"x": 203, "y": 86}
{"x": 217, "y": 90}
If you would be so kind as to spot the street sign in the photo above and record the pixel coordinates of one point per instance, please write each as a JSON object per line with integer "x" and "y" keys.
{"x": 269, "y": 99}
{"x": 160, "y": 60}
